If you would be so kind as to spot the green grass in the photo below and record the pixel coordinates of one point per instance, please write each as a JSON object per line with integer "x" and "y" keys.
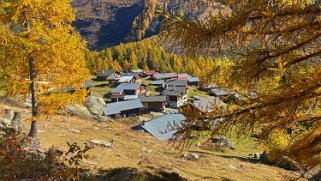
{"x": 101, "y": 89}
{"x": 193, "y": 91}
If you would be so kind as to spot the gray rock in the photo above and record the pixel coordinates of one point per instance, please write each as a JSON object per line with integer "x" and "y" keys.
{"x": 222, "y": 142}
{"x": 192, "y": 156}
{"x": 2, "y": 133}
{"x": 103, "y": 143}
{"x": 78, "y": 110}
{"x": 95, "y": 105}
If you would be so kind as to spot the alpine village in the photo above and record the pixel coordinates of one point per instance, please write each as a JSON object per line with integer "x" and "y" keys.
{"x": 160, "y": 90}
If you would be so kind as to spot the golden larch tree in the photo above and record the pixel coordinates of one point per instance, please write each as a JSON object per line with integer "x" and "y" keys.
{"x": 270, "y": 53}
{"x": 41, "y": 55}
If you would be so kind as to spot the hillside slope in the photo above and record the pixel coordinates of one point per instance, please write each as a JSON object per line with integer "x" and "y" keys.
{"x": 139, "y": 150}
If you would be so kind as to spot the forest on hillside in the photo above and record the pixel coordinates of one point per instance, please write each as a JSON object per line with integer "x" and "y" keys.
{"x": 148, "y": 54}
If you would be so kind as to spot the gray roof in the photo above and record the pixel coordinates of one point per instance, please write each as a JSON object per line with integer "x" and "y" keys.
{"x": 164, "y": 127}
{"x": 193, "y": 79}
{"x": 164, "y": 76}
{"x": 125, "y": 86}
{"x": 208, "y": 104}
{"x": 105, "y": 72}
{"x": 124, "y": 79}
{"x": 118, "y": 107}
{"x": 153, "y": 99}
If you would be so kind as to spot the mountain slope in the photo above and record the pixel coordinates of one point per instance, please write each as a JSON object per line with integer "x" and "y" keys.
{"x": 105, "y": 23}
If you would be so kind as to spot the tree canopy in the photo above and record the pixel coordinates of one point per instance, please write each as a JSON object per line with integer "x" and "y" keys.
{"x": 273, "y": 49}
{"x": 40, "y": 54}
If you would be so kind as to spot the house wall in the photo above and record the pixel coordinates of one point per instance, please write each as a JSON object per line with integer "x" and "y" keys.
{"x": 154, "y": 106}
{"x": 131, "y": 112}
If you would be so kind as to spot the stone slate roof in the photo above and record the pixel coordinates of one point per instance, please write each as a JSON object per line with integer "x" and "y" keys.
{"x": 125, "y": 86}
{"x": 153, "y": 99}
{"x": 164, "y": 127}
{"x": 118, "y": 107}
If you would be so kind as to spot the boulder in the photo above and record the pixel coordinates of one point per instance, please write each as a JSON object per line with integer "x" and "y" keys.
{"x": 222, "y": 142}
{"x": 27, "y": 103}
{"x": 78, "y": 110}
{"x": 5, "y": 123}
{"x": 95, "y": 105}
{"x": 192, "y": 156}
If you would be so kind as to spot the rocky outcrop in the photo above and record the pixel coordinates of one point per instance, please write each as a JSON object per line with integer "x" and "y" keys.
{"x": 95, "y": 105}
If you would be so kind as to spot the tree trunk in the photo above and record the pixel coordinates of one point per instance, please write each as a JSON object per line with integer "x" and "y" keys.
{"x": 34, "y": 100}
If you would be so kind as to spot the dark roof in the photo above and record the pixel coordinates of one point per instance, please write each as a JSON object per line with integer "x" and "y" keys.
{"x": 164, "y": 76}
{"x": 153, "y": 99}
{"x": 106, "y": 73}
{"x": 177, "y": 82}
{"x": 164, "y": 127}
{"x": 174, "y": 92}
{"x": 125, "y": 86}
{"x": 118, "y": 107}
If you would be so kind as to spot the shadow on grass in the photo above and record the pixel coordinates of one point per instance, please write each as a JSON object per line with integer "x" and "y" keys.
{"x": 133, "y": 174}
{"x": 243, "y": 159}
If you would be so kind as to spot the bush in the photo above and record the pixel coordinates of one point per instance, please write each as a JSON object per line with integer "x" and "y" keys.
{"x": 20, "y": 161}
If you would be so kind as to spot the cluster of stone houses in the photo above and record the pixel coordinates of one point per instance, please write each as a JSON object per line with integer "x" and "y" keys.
{"x": 130, "y": 97}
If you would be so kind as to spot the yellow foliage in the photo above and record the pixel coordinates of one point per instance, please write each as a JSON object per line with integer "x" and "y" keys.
{"x": 38, "y": 34}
